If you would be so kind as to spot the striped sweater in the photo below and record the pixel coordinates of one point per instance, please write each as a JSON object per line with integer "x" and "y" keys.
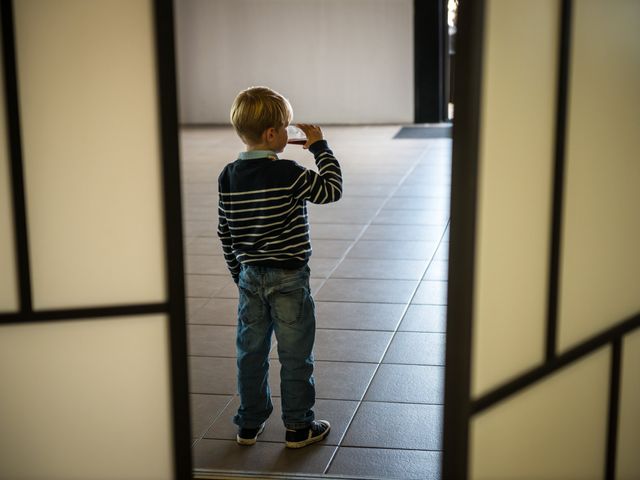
{"x": 262, "y": 208}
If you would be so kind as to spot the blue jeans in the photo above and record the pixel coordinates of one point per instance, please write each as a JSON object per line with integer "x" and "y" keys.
{"x": 273, "y": 299}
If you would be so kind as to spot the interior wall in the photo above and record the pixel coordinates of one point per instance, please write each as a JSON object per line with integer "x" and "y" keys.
{"x": 86, "y": 398}
{"x": 337, "y": 61}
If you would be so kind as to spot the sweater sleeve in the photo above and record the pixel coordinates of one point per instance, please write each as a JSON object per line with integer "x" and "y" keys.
{"x": 324, "y": 186}
{"x": 225, "y": 237}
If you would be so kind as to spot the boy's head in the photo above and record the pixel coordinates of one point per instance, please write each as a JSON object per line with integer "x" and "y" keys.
{"x": 256, "y": 109}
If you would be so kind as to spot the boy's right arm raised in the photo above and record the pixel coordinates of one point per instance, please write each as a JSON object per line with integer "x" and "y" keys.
{"x": 324, "y": 186}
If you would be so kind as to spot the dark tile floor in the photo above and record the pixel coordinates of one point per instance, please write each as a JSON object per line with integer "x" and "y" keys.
{"x": 379, "y": 277}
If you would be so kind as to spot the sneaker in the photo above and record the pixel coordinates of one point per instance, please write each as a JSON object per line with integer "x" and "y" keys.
{"x": 248, "y": 436}
{"x": 305, "y": 436}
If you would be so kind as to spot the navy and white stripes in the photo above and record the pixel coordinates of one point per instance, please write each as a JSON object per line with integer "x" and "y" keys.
{"x": 262, "y": 208}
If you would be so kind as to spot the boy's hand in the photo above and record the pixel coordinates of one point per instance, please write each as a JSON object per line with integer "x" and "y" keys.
{"x": 313, "y": 133}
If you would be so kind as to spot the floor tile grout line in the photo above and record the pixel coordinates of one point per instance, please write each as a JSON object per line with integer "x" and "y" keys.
{"x": 220, "y": 412}
{"x": 359, "y": 362}
{"x": 405, "y": 309}
{"x": 334, "y": 445}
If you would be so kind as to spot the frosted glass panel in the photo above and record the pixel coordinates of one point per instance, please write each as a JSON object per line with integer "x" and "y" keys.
{"x": 8, "y": 279}
{"x": 515, "y": 179}
{"x": 600, "y": 262}
{"x": 555, "y": 429}
{"x": 91, "y": 151}
{"x": 86, "y": 400}
{"x": 361, "y": 69}
{"x": 629, "y": 424}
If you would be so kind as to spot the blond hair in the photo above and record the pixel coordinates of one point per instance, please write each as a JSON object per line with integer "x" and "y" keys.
{"x": 256, "y": 109}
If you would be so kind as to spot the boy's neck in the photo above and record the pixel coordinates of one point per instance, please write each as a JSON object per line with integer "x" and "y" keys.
{"x": 251, "y": 148}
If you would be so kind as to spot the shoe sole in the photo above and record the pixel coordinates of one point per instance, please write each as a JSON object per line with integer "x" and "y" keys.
{"x": 308, "y": 441}
{"x": 249, "y": 441}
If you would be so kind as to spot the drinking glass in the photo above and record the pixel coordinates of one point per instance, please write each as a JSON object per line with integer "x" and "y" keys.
{"x": 296, "y": 136}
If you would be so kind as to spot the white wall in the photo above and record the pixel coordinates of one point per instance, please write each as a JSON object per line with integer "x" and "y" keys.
{"x": 86, "y": 398}
{"x": 338, "y": 61}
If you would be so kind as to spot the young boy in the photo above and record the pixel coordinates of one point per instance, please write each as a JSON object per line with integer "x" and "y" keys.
{"x": 264, "y": 231}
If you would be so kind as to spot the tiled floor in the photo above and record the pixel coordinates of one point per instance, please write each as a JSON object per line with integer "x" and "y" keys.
{"x": 379, "y": 277}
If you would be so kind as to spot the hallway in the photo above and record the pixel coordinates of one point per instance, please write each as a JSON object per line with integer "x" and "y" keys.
{"x": 379, "y": 278}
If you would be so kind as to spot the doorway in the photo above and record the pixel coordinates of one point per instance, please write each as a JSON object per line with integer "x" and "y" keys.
{"x": 379, "y": 278}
